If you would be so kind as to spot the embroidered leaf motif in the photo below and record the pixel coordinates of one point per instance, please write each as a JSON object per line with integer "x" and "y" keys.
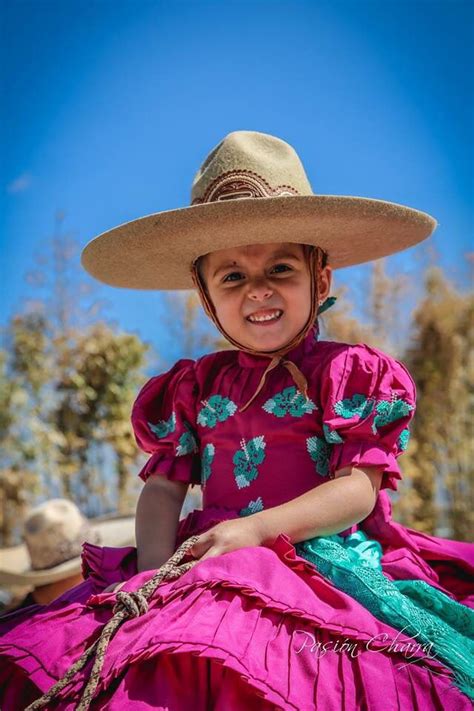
{"x": 390, "y": 411}
{"x": 357, "y": 405}
{"x": 247, "y": 459}
{"x": 186, "y": 445}
{"x": 253, "y": 507}
{"x": 216, "y": 409}
{"x": 163, "y": 427}
{"x": 319, "y": 451}
{"x": 289, "y": 402}
{"x": 403, "y": 439}
{"x": 206, "y": 462}
{"x": 331, "y": 436}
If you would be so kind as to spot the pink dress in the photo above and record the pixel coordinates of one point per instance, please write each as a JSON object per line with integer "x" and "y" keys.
{"x": 261, "y": 627}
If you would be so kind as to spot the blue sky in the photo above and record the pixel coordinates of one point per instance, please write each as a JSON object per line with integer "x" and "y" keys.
{"x": 109, "y": 107}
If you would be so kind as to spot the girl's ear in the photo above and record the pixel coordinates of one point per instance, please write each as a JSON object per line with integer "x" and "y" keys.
{"x": 325, "y": 281}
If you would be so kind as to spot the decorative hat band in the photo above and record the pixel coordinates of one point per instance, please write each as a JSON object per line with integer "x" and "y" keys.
{"x": 237, "y": 184}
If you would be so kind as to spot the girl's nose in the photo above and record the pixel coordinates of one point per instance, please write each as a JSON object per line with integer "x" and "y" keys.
{"x": 259, "y": 290}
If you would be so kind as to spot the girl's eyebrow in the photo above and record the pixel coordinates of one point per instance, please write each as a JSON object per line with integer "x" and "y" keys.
{"x": 281, "y": 254}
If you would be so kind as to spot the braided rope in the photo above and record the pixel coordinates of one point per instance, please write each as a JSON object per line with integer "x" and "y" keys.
{"x": 128, "y": 605}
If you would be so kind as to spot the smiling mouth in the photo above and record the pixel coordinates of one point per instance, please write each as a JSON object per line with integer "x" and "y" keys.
{"x": 265, "y": 316}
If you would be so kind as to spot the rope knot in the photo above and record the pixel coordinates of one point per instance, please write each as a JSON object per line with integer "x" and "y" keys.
{"x": 133, "y": 602}
{"x": 129, "y": 604}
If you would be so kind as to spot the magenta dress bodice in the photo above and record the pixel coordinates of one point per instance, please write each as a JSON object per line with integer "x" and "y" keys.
{"x": 359, "y": 407}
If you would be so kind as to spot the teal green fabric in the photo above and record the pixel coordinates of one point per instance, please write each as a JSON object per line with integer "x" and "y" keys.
{"x": 330, "y": 301}
{"x": 353, "y": 564}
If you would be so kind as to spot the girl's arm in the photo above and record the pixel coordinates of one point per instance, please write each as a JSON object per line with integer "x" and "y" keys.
{"x": 157, "y": 519}
{"x": 156, "y": 523}
{"x": 328, "y": 508}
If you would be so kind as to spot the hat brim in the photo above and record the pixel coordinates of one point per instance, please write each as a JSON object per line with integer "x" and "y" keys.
{"x": 15, "y": 563}
{"x": 156, "y": 251}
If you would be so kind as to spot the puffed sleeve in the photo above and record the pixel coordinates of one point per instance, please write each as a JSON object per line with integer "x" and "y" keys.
{"x": 368, "y": 400}
{"x": 164, "y": 423}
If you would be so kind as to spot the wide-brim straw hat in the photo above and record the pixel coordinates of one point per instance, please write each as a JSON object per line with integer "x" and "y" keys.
{"x": 53, "y": 536}
{"x": 251, "y": 189}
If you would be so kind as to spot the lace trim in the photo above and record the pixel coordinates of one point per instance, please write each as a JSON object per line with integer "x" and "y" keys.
{"x": 423, "y": 612}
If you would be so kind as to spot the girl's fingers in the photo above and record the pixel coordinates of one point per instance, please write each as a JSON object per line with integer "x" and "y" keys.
{"x": 199, "y": 548}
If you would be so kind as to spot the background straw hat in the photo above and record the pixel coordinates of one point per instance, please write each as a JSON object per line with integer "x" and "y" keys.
{"x": 53, "y": 536}
{"x": 251, "y": 188}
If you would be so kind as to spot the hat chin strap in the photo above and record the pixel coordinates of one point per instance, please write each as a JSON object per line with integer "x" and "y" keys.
{"x": 276, "y": 355}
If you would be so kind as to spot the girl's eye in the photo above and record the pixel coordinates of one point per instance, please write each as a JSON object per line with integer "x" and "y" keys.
{"x": 237, "y": 276}
{"x": 285, "y": 266}
{"x": 230, "y": 277}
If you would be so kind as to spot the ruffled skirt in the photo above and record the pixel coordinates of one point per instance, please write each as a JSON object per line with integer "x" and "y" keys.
{"x": 258, "y": 628}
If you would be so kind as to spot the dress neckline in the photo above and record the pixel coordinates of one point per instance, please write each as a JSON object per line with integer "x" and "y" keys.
{"x": 296, "y": 355}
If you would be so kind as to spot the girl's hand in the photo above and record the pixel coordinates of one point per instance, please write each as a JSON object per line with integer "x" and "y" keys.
{"x": 227, "y": 536}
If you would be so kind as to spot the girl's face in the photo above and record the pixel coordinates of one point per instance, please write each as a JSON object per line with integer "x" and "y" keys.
{"x": 261, "y": 293}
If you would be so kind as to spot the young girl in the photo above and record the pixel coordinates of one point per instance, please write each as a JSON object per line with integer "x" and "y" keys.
{"x": 300, "y": 591}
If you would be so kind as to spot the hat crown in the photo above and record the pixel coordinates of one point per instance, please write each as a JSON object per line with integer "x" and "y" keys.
{"x": 249, "y": 164}
{"x": 54, "y": 533}
{"x": 157, "y": 251}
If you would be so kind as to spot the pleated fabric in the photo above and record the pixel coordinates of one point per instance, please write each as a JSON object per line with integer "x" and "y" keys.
{"x": 257, "y": 628}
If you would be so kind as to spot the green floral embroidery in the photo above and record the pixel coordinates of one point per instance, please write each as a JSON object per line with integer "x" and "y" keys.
{"x": 252, "y": 508}
{"x": 247, "y": 460}
{"x": 319, "y": 451}
{"x": 357, "y": 405}
{"x": 403, "y": 439}
{"x": 216, "y": 409}
{"x": 186, "y": 445}
{"x": 289, "y": 402}
{"x": 163, "y": 427}
{"x": 206, "y": 462}
{"x": 331, "y": 436}
{"x": 390, "y": 411}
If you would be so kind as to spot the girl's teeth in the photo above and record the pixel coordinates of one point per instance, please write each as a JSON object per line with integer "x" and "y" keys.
{"x": 265, "y": 318}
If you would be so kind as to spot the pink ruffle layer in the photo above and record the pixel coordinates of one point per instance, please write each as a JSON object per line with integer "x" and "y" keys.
{"x": 234, "y": 632}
